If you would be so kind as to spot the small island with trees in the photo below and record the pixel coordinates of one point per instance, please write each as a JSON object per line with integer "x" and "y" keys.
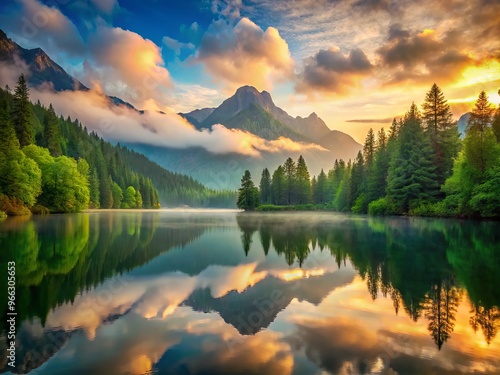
{"x": 419, "y": 167}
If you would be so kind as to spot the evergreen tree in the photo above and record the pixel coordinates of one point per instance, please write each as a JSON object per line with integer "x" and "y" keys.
{"x": 369, "y": 149}
{"x": 265, "y": 187}
{"x": 248, "y": 194}
{"x": 21, "y": 113}
{"x": 279, "y": 187}
{"x": 314, "y": 191}
{"x": 442, "y": 132}
{"x": 479, "y": 121}
{"x": 20, "y": 177}
{"x": 496, "y": 123}
{"x": 290, "y": 173}
{"x": 474, "y": 187}
{"x": 342, "y": 200}
{"x": 94, "y": 190}
{"x": 411, "y": 176}
{"x": 321, "y": 195}
{"x": 303, "y": 182}
{"x": 51, "y": 133}
{"x": 356, "y": 197}
{"x": 377, "y": 182}
{"x": 335, "y": 177}
{"x": 117, "y": 195}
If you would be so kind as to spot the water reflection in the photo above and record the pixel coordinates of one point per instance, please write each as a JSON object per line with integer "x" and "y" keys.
{"x": 215, "y": 293}
{"x": 424, "y": 266}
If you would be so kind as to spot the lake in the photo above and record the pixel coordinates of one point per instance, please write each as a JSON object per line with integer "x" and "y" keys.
{"x": 224, "y": 292}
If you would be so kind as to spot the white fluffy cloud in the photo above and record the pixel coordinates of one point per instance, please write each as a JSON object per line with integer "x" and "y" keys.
{"x": 122, "y": 124}
{"x": 127, "y": 65}
{"x": 245, "y": 54}
{"x": 37, "y": 25}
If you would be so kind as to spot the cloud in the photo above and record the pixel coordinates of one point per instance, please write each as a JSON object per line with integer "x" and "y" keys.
{"x": 422, "y": 58}
{"x": 175, "y": 45}
{"x": 372, "y": 120}
{"x": 245, "y": 54}
{"x": 37, "y": 25}
{"x": 105, "y": 6}
{"x": 166, "y": 129}
{"x": 127, "y": 65}
{"x": 332, "y": 72}
{"x": 230, "y": 9}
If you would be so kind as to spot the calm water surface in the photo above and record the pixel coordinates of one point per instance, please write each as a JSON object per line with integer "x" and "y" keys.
{"x": 186, "y": 292}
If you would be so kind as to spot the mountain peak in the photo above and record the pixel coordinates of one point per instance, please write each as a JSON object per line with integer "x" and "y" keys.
{"x": 3, "y": 35}
{"x": 242, "y": 99}
{"x": 246, "y": 89}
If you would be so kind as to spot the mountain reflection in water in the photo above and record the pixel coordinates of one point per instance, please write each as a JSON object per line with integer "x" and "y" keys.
{"x": 209, "y": 292}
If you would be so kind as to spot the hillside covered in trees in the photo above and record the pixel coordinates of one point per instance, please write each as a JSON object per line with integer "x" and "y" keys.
{"x": 420, "y": 167}
{"x": 52, "y": 164}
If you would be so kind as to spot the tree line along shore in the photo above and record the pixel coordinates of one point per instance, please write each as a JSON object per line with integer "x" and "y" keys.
{"x": 420, "y": 166}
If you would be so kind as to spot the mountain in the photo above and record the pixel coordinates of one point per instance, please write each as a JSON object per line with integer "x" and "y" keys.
{"x": 43, "y": 69}
{"x": 255, "y": 112}
{"x": 248, "y": 109}
{"x": 462, "y": 124}
{"x": 239, "y": 112}
{"x": 198, "y": 115}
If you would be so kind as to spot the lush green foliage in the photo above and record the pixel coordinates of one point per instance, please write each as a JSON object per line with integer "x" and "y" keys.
{"x": 77, "y": 169}
{"x": 248, "y": 194}
{"x": 415, "y": 169}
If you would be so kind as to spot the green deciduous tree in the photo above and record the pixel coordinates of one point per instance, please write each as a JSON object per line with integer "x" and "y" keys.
{"x": 65, "y": 188}
{"x": 129, "y": 199}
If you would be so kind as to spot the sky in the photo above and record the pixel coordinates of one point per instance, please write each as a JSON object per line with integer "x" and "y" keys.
{"x": 355, "y": 63}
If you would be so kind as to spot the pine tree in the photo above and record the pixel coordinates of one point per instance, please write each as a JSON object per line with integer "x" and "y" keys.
{"x": 279, "y": 187}
{"x": 377, "y": 182}
{"x": 321, "y": 195}
{"x": 369, "y": 149}
{"x": 303, "y": 182}
{"x": 411, "y": 176}
{"x": 441, "y": 130}
{"x": 496, "y": 122}
{"x": 479, "y": 121}
{"x": 21, "y": 113}
{"x": 51, "y": 133}
{"x": 265, "y": 187}
{"x": 342, "y": 200}
{"x": 290, "y": 173}
{"x": 356, "y": 198}
{"x": 248, "y": 194}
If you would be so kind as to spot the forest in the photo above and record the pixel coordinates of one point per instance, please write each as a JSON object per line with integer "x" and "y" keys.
{"x": 53, "y": 164}
{"x": 421, "y": 166}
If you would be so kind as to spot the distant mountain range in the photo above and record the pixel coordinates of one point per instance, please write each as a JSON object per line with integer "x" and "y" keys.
{"x": 254, "y": 112}
{"x": 248, "y": 109}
